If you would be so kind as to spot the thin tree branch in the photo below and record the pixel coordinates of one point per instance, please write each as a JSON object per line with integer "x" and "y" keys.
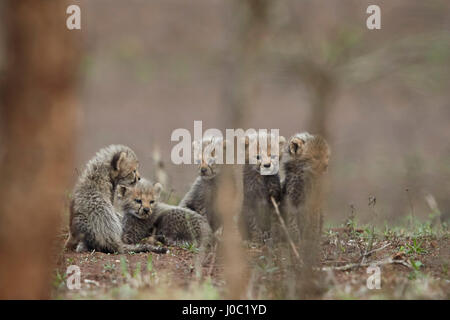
{"x": 283, "y": 225}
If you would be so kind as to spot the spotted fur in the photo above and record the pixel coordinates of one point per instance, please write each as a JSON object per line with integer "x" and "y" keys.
{"x": 306, "y": 159}
{"x": 145, "y": 216}
{"x": 258, "y": 221}
{"x": 94, "y": 223}
{"x": 203, "y": 192}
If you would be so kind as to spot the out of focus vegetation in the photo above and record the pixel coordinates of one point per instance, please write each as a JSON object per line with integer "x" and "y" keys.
{"x": 413, "y": 261}
{"x": 380, "y": 98}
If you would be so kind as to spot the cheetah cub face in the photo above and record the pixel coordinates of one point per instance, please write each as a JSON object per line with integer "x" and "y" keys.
{"x": 124, "y": 169}
{"x": 207, "y": 159}
{"x": 140, "y": 200}
{"x": 263, "y": 159}
{"x": 313, "y": 150}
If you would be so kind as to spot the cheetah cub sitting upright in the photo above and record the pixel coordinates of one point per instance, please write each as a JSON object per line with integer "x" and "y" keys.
{"x": 144, "y": 215}
{"x": 261, "y": 181}
{"x": 204, "y": 191}
{"x": 306, "y": 159}
{"x": 94, "y": 223}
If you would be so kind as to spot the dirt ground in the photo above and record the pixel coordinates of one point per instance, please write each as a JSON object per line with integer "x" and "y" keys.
{"x": 411, "y": 267}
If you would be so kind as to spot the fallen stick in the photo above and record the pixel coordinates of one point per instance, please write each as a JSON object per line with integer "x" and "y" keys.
{"x": 377, "y": 249}
{"x": 378, "y": 263}
{"x": 283, "y": 225}
{"x": 368, "y": 253}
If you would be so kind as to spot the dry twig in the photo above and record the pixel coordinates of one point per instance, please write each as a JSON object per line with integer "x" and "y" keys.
{"x": 377, "y": 263}
{"x": 283, "y": 225}
{"x": 377, "y": 249}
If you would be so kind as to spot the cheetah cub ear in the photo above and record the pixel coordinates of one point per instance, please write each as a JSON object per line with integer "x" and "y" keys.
{"x": 296, "y": 145}
{"x": 297, "y": 142}
{"x": 157, "y": 189}
{"x": 117, "y": 160}
{"x": 123, "y": 191}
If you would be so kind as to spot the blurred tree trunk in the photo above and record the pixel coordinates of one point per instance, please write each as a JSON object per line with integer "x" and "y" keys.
{"x": 248, "y": 26}
{"x": 321, "y": 85}
{"x": 37, "y": 115}
{"x": 228, "y": 205}
{"x": 322, "y": 94}
{"x": 248, "y": 22}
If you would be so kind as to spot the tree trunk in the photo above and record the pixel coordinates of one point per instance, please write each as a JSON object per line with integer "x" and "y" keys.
{"x": 248, "y": 23}
{"x": 37, "y": 143}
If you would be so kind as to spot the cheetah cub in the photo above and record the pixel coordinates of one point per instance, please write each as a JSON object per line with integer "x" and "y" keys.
{"x": 94, "y": 223}
{"x": 203, "y": 192}
{"x": 144, "y": 216}
{"x": 261, "y": 181}
{"x": 306, "y": 160}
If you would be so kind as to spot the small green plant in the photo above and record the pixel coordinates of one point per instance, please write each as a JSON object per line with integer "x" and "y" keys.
{"x": 389, "y": 233}
{"x": 124, "y": 267}
{"x": 415, "y": 247}
{"x": 208, "y": 291}
{"x": 109, "y": 267}
{"x": 150, "y": 267}
{"x": 419, "y": 228}
{"x": 425, "y": 229}
{"x": 351, "y": 222}
{"x": 137, "y": 270}
{"x": 445, "y": 269}
{"x": 150, "y": 263}
{"x": 191, "y": 247}
{"x": 266, "y": 266}
{"x": 59, "y": 279}
{"x": 416, "y": 264}
{"x": 330, "y": 233}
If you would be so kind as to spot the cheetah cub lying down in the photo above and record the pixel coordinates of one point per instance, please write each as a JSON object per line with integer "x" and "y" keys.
{"x": 144, "y": 216}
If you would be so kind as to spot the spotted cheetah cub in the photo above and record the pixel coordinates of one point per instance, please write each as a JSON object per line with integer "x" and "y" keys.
{"x": 94, "y": 223}
{"x": 144, "y": 216}
{"x": 306, "y": 160}
{"x": 261, "y": 181}
{"x": 204, "y": 191}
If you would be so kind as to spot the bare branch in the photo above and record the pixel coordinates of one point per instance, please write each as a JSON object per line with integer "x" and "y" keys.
{"x": 283, "y": 225}
{"x": 377, "y": 263}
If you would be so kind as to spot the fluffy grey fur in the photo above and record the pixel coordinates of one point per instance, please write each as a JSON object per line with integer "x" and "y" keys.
{"x": 94, "y": 224}
{"x": 258, "y": 216}
{"x": 200, "y": 198}
{"x": 306, "y": 159}
{"x": 294, "y": 195}
{"x": 171, "y": 225}
{"x": 203, "y": 192}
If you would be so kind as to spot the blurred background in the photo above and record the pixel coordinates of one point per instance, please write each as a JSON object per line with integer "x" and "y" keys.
{"x": 379, "y": 96}
{"x": 137, "y": 70}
